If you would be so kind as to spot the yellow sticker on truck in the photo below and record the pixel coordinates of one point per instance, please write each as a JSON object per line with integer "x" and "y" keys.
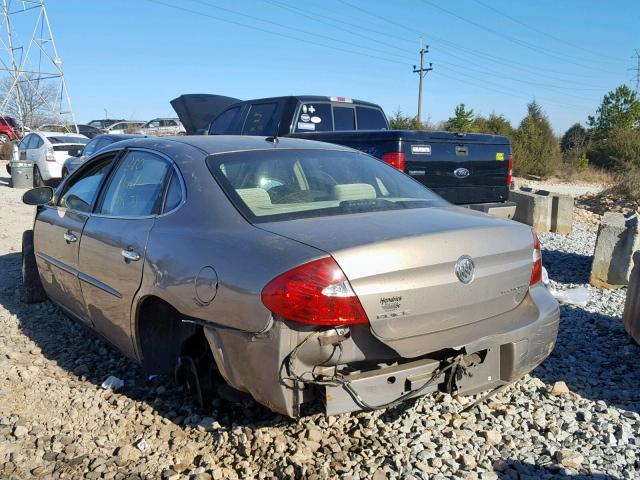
{"x": 500, "y": 156}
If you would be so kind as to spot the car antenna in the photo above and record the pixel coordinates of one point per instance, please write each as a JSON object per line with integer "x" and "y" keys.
{"x": 274, "y": 138}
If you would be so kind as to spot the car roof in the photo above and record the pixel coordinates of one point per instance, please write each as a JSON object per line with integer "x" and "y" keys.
{"x": 57, "y": 134}
{"x": 313, "y": 98}
{"x": 121, "y": 136}
{"x": 216, "y": 144}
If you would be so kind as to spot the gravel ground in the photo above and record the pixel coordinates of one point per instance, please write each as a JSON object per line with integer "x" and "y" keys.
{"x": 57, "y": 422}
{"x": 575, "y": 189}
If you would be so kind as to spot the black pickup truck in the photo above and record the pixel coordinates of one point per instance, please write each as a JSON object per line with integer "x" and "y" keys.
{"x": 472, "y": 170}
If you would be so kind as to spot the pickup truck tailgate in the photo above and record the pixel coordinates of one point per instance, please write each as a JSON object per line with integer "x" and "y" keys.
{"x": 461, "y": 169}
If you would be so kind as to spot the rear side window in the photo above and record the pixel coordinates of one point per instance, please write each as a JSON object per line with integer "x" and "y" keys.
{"x": 136, "y": 188}
{"x": 314, "y": 117}
{"x": 220, "y": 125}
{"x": 37, "y": 142}
{"x": 259, "y": 119}
{"x": 370, "y": 119}
{"x": 344, "y": 118}
{"x": 173, "y": 196}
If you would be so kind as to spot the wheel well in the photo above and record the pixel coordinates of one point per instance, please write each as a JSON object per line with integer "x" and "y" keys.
{"x": 163, "y": 336}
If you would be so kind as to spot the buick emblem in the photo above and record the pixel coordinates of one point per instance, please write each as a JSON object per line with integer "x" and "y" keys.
{"x": 465, "y": 269}
{"x": 461, "y": 172}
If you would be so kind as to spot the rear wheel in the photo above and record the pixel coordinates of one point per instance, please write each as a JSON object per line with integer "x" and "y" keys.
{"x": 37, "y": 178}
{"x": 4, "y": 138}
{"x": 32, "y": 290}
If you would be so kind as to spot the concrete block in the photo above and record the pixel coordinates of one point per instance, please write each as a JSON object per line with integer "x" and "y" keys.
{"x": 532, "y": 209}
{"x": 617, "y": 240}
{"x": 562, "y": 213}
{"x": 631, "y": 316}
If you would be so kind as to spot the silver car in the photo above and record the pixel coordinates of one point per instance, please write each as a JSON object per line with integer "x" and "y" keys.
{"x": 298, "y": 271}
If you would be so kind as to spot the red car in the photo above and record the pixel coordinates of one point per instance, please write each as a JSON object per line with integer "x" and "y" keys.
{"x": 9, "y": 130}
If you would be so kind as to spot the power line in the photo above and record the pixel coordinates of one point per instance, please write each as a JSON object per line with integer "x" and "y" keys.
{"x": 288, "y": 27}
{"x": 284, "y": 35}
{"x": 517, "y": 41}
{"x": 607, "y": 58}
{"x": 271, "y": 32}
{"x": 513, "y": 64}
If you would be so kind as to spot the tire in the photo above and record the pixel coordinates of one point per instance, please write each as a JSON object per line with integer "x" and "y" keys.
{"x": 4, "y": 138}
{"x": 32, "y": 290}
{"x": 37, "y": 178}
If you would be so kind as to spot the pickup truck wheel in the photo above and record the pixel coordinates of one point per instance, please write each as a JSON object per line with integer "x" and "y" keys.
{"x": 3, "y": 138}
{"x": 37, "y": 178}
{"x": 32, "y": 290}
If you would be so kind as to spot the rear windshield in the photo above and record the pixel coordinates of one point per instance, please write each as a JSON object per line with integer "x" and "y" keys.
{"x": 63, "y": 139}
{"x": 286, "y": 184}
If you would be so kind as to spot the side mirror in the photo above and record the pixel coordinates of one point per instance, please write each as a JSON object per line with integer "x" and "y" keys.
{"x": 38, "y": 196}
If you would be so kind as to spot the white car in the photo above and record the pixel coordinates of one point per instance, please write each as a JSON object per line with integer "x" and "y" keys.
{"x": 48, "y": 151}
{"x": 123, "y": 127}
{"x": 162, "y": 127}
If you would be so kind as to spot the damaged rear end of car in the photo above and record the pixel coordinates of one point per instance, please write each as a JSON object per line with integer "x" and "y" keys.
{"x": 402, "y": 294}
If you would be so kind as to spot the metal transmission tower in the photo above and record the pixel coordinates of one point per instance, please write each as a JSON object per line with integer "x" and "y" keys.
{"x": 33, "y": 89}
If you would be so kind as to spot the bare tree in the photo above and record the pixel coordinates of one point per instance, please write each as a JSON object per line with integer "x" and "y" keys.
{"x": 29, "y": 100}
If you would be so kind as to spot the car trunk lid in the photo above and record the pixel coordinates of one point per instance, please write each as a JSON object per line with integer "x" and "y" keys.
{"x": 196, "y": 111}
{"x": 402, "y": 264}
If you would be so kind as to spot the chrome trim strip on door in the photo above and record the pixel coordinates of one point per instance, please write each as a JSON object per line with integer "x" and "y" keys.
{"x": 57, "y": 263}
{"x": 98, "y": 284}
{"x": 81, "y": 276}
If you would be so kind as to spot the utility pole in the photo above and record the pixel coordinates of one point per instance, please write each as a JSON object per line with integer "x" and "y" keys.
{"x": 637, "y": 69}
{"x": 422, "y": 72}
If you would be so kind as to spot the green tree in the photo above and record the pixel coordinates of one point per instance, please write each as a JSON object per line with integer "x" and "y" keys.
{"x": 495, "y": 124}
{"x": 535, "y": 148}
{"x": 400, "y": 121}
{"x": 462, "y": 120}
{"x": 574, "y": 144}
{"x": 619, "y": 109}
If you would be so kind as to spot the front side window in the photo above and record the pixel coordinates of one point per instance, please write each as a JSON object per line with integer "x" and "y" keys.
{"x": 153, "y": 124}
{"x": 221, "y": 125}
{"x": 281, "y": 185}
{"x": 344, "y": 118}
{"x": 80, "y": 193}
{"x": 259, "y": 119}
{"x": 136, "y": 187}
{"x": 370, "y": 119}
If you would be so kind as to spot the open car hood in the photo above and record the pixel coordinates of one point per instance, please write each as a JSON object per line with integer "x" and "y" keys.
{"x": 196, "y": 110}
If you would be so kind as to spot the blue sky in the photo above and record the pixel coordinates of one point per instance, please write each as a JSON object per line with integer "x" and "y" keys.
{"x": 132, "y": 56}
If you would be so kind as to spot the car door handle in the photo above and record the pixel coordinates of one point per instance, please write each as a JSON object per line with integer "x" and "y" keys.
{"x": 131, "y": 255}
{"x": 70, "y": 237}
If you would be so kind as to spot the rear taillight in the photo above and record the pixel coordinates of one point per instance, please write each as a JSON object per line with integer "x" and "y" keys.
{"x": 395, "y": 159}
{"x": 536, "y": 270}
{"x": 50, "y": 156}
{"x": 316, "y": 293}
{"x": 510, "y": 172}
